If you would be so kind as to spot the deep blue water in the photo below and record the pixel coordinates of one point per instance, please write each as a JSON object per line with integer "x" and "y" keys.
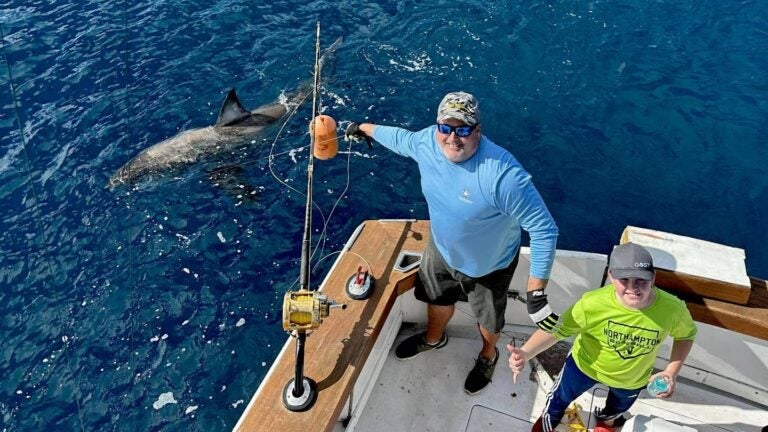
{"x": 625, "y": 112}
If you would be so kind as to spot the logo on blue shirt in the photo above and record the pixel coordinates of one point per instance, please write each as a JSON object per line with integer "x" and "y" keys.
{"x": 465, "y": 197}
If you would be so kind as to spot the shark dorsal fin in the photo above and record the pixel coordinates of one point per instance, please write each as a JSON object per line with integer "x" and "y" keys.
{"x": 231, "y": 110}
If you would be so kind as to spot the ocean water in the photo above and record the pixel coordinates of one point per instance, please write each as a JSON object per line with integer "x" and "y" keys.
{"x": 157, "y": 307}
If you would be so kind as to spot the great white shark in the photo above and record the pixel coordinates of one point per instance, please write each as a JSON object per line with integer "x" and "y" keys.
{"x": 235, "y": 126}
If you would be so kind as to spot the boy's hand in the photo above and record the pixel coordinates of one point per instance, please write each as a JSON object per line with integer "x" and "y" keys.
{"x": 670, "y": 380}
{"x": 516, "y": 360}
{"x": 539, "y": 310}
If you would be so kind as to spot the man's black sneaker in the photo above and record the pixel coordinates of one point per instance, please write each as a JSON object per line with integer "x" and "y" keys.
{"x": 417, "y": 344}
{"x": 481, "y": 374}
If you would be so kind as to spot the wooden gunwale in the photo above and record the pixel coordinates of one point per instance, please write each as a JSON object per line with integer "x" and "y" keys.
{"x": 336, "y": 352}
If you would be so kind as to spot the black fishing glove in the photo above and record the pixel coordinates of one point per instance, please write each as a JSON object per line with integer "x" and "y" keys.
{"x": 354, "y": 133}
{"x": 539, "y": 310}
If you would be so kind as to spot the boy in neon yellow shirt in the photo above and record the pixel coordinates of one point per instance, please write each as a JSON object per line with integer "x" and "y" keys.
{"x": 619, "y": 329}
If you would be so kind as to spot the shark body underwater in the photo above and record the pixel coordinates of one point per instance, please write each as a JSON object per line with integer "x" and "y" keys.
{"x": 234, "y": 126}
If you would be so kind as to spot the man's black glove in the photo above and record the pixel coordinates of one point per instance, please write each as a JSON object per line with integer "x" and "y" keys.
{"x": 539, "y": 310}
{"x": 354, "y": 133}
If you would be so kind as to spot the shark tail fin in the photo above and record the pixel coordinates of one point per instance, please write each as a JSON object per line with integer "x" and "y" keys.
{"x": 231, "y": 110}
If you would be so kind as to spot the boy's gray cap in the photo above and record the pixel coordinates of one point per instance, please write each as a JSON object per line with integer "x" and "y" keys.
{"x": 631, "y": 260}
{"x": 460, "y": 106}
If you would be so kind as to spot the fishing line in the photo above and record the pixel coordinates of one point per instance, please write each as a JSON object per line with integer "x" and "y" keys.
{"x": 292, "y": 110}
{"x": 27, "y": 163}
{"x": 321, "y": 259}
{"x": 320, "y": 244}
{"x": 38, "y": 218}
{"x": 129, "y": 243}
{"x": 270, "y": 159}
{"x": 322, "y": 237}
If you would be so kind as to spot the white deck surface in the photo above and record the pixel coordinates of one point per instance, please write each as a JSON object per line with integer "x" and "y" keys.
{"x": 426, "y": 394}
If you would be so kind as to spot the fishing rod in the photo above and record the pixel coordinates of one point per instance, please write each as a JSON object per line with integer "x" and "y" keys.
{"x": 303, "y": 310}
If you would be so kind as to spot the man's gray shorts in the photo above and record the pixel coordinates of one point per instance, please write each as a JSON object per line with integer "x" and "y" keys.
{"x": 438, "y": 284}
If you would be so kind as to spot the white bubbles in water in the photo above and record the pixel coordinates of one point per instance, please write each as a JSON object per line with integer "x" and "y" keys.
{"x": 190, "y": 409}
{"x": 163, "y": 400}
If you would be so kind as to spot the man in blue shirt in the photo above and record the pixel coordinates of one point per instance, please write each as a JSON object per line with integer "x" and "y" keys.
{"x": 479, "y": 197}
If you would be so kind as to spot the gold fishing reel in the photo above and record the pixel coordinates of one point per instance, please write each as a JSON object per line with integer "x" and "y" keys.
{"x": 304, "y": 309}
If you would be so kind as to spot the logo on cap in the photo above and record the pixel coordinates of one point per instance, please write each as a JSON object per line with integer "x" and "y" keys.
{"x": 460, "y": 106}
{"x": 631, "y": 260}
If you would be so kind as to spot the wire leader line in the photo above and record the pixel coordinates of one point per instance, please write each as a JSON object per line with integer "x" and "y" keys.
{"x": 36, "y": 209}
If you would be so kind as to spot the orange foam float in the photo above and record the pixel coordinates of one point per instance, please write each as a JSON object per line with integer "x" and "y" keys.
{"x": 323, "y": 131}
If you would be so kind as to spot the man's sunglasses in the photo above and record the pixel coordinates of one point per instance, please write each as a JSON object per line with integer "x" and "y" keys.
{"x": 460, "y": 131}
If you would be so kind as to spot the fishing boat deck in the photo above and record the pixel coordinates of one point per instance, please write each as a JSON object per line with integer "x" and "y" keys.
{"x": 426, "y": 394}
{"x": 344, "y": 356}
